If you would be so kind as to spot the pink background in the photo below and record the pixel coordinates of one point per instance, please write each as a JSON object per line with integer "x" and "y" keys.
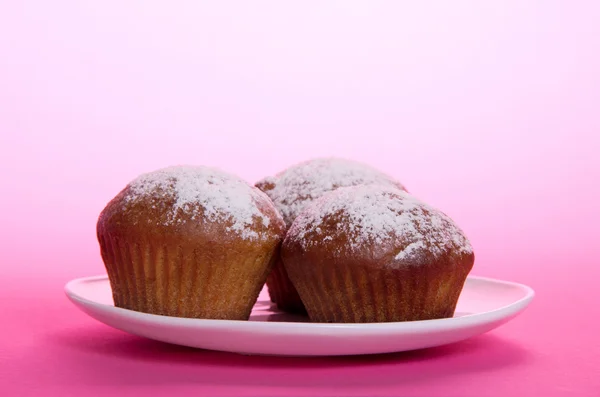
{"x": 489, "y": 110}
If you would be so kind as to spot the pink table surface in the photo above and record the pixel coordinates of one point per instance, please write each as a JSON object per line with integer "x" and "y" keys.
{"x": 489, "y": 110}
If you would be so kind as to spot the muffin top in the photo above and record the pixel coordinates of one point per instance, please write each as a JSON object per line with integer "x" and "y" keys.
{"x": 192, "y": 197}
{"x": 298, "y": 186}
{"x": 379, "y": 224}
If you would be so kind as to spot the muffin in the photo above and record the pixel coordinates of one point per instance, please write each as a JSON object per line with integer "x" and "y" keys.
{"x": 298, "y": 186}
{"x": 189, "y": 242}
{"x": 375, "y": 254}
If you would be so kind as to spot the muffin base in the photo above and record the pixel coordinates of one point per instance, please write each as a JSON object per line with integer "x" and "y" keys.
{"x": 360, "y": 294}
{"x": 199, "y": 282}
{"x": 282, "y": 292}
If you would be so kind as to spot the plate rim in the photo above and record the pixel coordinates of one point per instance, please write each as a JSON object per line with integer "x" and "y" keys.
{"x": 449, "y": 324}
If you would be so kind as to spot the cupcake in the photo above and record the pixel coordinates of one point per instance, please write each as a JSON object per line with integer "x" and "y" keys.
{"x": 297, "y": 187}
{"x": 189, "y": 242}
{"x": 375, "y": 254}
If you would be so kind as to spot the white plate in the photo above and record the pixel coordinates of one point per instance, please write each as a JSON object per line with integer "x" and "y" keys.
{"x": 483, "y": 305}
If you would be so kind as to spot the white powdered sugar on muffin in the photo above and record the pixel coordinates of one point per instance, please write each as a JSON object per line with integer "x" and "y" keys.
{"x": 375, "y": 215}
{"x": 215, "y": 194}
{"x": 298, "y": 186}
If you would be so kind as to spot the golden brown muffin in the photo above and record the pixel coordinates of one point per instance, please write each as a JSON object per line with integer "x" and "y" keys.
{"x": 298, "y": 186}
{"x": 189, "y": 242}
{"x": 374, "y": 254}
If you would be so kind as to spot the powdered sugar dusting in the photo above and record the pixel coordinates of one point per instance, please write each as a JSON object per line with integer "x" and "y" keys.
{"x": 376, "y": 215}
{"x": 410, "y": 250}
{"x": 213, "y": 193}
{"x": 298, "y": 186}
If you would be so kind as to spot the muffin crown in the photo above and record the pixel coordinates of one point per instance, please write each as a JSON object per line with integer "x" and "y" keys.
{"x": 296, "y": 187}
{"x": 376, "y": 223}
{"x": 184, "y": 196}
